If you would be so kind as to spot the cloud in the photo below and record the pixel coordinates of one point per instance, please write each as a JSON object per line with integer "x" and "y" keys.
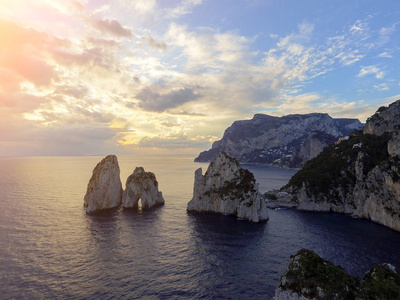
{"x": 185, "y": 7}
{"x": 153, "y": 101}
{"x": 385, "y": 34}
{"x": 153, "y": 44}
{"x": 360, "y": 26}
{"x": 26, "y": 137}
{"x": 343, "y": 109}
{"x": 207, "y": 51}
{"x": 385, "y": 55}
{"x": 302, "y": 103}
{"x": 140, "y": 6}
{"x": 349, "y": 58}
{"x": 185, "y": 113}
{"x": 381, "y": 87}
{"x": 371, "y": 70}
{"x": 177, "y": 141}
{"x": 51, "y": 87}
{"x": 24, "y": 52}
{"x": 66, "y": 7}
{"x": 110, "y": 26}
{"x": 303, "y": 34}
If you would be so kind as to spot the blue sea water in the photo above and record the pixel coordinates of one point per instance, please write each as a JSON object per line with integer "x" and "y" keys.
{"x": 50, "y": 249}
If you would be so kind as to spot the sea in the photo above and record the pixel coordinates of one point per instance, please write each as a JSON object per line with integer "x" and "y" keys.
{"x": 50, "y": 248}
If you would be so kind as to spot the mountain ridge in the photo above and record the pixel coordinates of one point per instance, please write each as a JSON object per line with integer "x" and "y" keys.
{"x": 287, "y": 141}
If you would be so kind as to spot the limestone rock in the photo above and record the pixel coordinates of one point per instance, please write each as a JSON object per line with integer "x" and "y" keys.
{"x": 226, "y": 188}
{"x": 394, "y": 145}
{"x": 142, "y": 186}
{"x": 287, "y": 141}
{"x": 386, "y": 119}
{"x": 104, "y": 190}
{"x": 311, "y": 147}
{"x": 359, "y": 176}
{"x": 309, "y": 276}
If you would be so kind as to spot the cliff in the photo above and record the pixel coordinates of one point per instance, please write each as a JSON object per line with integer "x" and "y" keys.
{"x": 286, "y": 141}
{"x": 104, "y": 190}
{"x": 226, "y": 188}
{"x": 359, "y": 176}
{"x": 309, "y": 276}
{"x": 142, "y": 186}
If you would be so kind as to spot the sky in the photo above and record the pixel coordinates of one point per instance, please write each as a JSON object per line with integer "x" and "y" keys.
{"x": 97, "y": 77}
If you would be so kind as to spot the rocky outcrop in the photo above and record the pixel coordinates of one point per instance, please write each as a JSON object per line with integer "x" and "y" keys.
{"x": 359, "y": 176}
{"x": 287, "y": 141}
{"x": 226, "y": 188}
{"x": 386, "y": 119}
{"x": 104, "y": 190}
{"x": 394, "y": 145}
{"x": 142, "y": 186}
{"x": 309, "y": 276}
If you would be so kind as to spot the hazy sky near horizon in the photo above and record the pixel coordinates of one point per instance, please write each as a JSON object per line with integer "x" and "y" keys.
{"x": 143, "y": 76}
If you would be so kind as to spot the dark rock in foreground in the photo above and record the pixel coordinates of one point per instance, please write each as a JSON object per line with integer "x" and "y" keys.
{"x": 287, "y": 141}
{"x": 309, "y": 276}
{"x": 142, "y": 186}
{"x": 226, "y": 188}
{"x": 104, "y": 190}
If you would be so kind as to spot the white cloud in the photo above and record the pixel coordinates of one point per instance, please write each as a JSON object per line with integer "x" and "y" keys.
{"x": 359, "y": 27}
{"x": 381, "y": 87}
{"x": 139, "y": 6}
{"x": 301, "y": 103}
{"x": 349, "y": 58}
{"x": 208, "y": 50}
{"x": 185, "y": 7}
{"x": 303, "y": 34}
{"x": 371, "y": 70}
{"x": 385, "y": 55}
{"x": 385, "y": 34}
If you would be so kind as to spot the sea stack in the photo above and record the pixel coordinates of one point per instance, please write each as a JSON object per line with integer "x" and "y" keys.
{"x": 142, "y": 185}
{"x": 104, "y": 190}
{"x": 226, "y": 188}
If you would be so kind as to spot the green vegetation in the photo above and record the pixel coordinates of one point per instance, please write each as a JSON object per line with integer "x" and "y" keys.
{"x": 381, "y": 283}
{"x": 245, "y": 185}
{"x": 311, "y": 276}
{"x": 334, "y": 166}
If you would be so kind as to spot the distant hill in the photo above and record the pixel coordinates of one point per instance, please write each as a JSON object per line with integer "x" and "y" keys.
{"x": 287, "y": 141}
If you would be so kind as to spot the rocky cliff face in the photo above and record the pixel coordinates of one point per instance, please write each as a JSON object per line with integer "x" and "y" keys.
{"x": 228, "y": 189}
{"x": 359, "y": 176}
{"x": 386, "y": 119}
{"x": 104, "y": 190}
{"x": 286, "y": 141}
{"x": 142, "y": 186}
{"x": 309, "y": 276}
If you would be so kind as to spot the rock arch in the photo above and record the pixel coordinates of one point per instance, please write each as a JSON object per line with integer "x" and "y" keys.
{"x": 143, "y": 186}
